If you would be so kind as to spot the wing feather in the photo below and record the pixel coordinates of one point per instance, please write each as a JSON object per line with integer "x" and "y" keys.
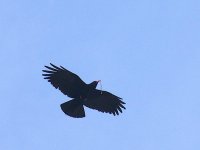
{"x": 105, "y": 102}
{"x": 67, "y": 82}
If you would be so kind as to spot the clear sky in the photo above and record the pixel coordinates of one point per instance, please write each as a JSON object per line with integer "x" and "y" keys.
{"x": 147, "y": 52}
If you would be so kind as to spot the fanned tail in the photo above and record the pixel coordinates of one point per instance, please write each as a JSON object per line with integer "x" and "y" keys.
{"x": 73, "y": 108}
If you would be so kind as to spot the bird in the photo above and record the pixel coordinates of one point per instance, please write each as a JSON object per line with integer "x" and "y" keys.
{"x": 82, "y": 94}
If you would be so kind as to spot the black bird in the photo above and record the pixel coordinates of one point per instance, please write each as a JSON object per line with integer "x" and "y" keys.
{"x": 83, "y": 94}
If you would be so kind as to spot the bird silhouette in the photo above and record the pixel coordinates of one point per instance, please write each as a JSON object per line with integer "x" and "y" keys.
{"x": 83, "y": 94}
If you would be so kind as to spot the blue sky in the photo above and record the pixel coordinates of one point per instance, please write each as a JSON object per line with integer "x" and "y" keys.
{"x": 147, "y": 52}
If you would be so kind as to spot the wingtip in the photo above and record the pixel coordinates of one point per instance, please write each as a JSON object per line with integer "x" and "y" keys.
{"x": 122, "y": 101}
{"x": 63, "y": 68}
{"x": 45, "y": 70}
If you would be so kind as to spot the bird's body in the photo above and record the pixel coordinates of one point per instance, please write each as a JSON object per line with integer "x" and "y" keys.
{"x": 83, "y": 94}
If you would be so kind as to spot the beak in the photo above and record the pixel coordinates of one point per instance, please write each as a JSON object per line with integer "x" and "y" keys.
{"x": 98, "y": 81}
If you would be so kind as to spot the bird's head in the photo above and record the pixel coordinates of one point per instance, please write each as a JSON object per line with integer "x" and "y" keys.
{"x": 93, "y": 85}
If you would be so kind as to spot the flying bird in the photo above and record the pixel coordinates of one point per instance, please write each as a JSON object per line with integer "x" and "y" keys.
{"x": 83, "y": 94}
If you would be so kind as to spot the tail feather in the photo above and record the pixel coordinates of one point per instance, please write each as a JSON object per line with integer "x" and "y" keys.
{"x": 73, "y": 108}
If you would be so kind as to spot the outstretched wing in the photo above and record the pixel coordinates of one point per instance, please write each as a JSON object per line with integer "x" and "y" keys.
{"x": 67, "y": 82}
{"x": 105, "y": 102}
